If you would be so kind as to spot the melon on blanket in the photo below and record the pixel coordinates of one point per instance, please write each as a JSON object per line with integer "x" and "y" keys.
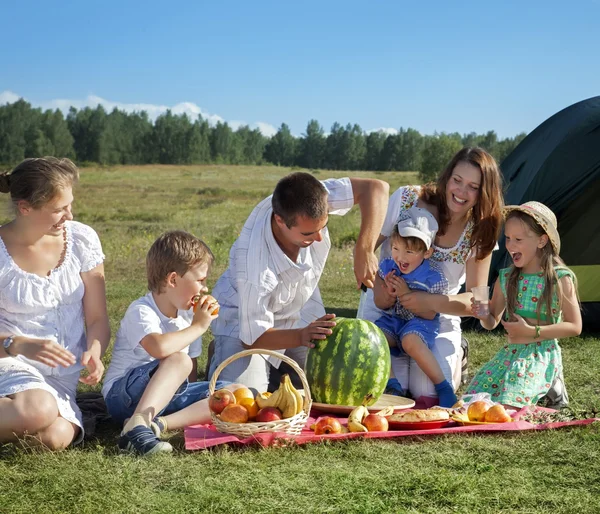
{"x": 351, "y": 363}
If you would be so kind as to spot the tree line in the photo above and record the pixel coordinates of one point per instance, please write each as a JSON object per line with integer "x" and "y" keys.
{"x": 93, "y": 135}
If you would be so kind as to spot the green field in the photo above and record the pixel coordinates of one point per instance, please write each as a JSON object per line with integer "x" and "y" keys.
{"x": 553, "y": 471}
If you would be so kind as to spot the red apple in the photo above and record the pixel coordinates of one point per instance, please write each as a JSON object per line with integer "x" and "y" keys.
{"x": 267, "y": 414}
{"x": 375, "y": 423}
{"x": 220, "y": 399}
{"x": 327, "y": 425}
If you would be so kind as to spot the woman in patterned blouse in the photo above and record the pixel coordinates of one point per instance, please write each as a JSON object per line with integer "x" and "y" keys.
{"x": 467, "y": 203}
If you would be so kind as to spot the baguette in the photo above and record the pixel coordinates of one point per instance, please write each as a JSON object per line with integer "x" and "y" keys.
{"x": 414, "y": 416}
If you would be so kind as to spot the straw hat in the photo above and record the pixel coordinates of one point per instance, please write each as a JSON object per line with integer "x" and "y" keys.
{"x": 544, "y": 216}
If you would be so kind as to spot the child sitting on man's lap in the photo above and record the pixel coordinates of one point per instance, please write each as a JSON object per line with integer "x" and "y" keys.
{"x": 146, "y": 385}
{"x": 410, "y": 269}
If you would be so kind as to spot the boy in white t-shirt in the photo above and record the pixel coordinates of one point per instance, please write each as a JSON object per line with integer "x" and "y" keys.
{"x": 146, "y": 385}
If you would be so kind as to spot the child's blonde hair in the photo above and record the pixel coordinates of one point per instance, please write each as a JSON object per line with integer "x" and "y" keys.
{"x": 550, "y": 262}
{"x": 176, "y": 251}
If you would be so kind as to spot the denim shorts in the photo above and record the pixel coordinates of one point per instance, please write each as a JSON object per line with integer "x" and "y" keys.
{"x": 398, "y": 328}
{"x": 125, "y": 393}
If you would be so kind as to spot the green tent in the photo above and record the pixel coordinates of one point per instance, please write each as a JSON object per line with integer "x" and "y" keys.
{"x": 558, "y": 164}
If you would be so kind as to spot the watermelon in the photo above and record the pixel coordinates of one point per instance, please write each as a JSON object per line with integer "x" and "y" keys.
{"x": 351, "y": 363}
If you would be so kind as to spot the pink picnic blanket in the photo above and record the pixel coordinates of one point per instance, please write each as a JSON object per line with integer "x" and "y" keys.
{"x": 199, "y": 437}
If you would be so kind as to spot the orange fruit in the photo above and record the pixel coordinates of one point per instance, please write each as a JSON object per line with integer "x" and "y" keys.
{"x": 241, "y": 393}
{"x": 497, "y": 414}
{"x": 477, "y": 410}
{"x": 195, "y": 301}
{"x": 251, "y": 406}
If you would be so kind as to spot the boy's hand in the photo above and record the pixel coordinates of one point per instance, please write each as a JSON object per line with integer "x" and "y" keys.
{"x": 205, "y": 310}
{"x": 396, "y": 284}
{"x": 391, "y": 290}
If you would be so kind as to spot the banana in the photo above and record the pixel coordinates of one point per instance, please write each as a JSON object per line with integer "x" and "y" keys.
{"x": 387, "y": 411}
{"x": 299, "y": 398}
{"x": 268, "y": 401}
{"x": 286, "y": 398}
{"x": 358, "y": 414}
{"x": 289, "y": 402}
{"x": 355, "y": 419}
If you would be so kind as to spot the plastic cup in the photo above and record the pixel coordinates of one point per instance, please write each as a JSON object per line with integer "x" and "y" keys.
{"x": 481, "y": 300}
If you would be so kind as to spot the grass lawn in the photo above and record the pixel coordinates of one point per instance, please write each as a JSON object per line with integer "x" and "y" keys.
{"x": 553, "y": 471}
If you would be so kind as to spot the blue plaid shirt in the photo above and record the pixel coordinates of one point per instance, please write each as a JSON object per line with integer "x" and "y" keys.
{"x": 427, "y": 277}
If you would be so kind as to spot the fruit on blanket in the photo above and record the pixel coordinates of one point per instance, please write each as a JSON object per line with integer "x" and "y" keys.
{"x": 497, "y": 414}
{"x": 375, "y": 423}
{"x": 351, "y": 362}
{"x": 268, "y": 414}
{"x": 386, "y": 411}
{"x": 243, "y": 392}
{"x": 477, "y": 410}
{"x": 357, "y": 415}
{"x": 251, "y": 406}
{"x": 291, "y": 400}
{"x": 220, "y": 399}
{"x": 234, "y": 414}
{"x": 328, "y": 425}
{"x": 286, "y": 398}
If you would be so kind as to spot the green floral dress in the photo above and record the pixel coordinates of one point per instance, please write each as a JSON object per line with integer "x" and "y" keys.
{"x": 521, "y": 374}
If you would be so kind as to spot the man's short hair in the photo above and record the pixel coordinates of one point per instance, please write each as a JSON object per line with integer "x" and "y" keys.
{"x": 176, "y": 251}
{"x": 299, "y": 194}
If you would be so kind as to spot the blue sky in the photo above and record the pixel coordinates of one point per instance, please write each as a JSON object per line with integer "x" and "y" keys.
{"x": 433, "y": 66}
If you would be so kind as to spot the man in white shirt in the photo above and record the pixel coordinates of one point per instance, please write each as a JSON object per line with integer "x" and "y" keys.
{"x": 269, "y": 295}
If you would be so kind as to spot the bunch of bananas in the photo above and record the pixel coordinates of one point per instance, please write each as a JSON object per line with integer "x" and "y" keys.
{"x": 358, "y": 414}
{"x": 287, "y": 398}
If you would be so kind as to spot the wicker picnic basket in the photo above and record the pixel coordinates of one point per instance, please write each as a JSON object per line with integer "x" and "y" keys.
{"x": 292, "y": 426}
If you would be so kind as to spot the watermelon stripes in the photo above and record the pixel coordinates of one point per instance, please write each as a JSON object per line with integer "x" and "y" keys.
{"x": 352, "y": 362}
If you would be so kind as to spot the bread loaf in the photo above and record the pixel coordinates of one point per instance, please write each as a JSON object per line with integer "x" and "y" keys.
{"x": 420, "y": 415}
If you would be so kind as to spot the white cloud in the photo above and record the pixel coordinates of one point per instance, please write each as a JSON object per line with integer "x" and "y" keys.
{"x": 383, "y": 130}
{"x": 189, "y": 108}
{"x": 266, "y": 128}
{"x": 8, "y": 97}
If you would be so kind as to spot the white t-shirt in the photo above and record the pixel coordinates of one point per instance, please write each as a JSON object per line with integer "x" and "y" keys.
{"x": 143, "y": 317}
{"x": 263, "y": 288}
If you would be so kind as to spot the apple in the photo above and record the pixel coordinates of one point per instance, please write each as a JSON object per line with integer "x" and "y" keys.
{"x": 234, "y": 414}
{"x": 220, "y": 399}
{"x": 327, "y": 425}
{"x": 497, "y": 414}
{"x": 477, "y": 410}
{"x": 375, "y": 423}
{"x": 267, "y": 414}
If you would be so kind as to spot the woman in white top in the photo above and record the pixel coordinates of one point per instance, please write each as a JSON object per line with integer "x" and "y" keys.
{"x": 467, "y": 203}
{"x": 53, "y": 317}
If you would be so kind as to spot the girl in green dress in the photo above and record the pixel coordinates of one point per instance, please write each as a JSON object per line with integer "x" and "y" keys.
{"x": 538, "y": 297}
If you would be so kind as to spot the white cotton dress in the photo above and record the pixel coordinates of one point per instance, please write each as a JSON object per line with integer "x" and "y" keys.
{"x": 452, "y": 261}
{"x": 48, "y": 308}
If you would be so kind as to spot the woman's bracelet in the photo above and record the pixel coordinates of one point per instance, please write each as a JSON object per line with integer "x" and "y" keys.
{"x": 538, "y": 331}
